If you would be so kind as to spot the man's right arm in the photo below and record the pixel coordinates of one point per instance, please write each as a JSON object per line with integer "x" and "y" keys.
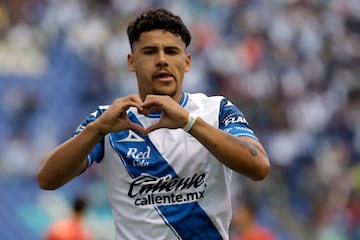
{"x": 68, "y": 160}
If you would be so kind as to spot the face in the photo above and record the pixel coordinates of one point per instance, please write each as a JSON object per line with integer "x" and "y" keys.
{"x": 159, "y": 61}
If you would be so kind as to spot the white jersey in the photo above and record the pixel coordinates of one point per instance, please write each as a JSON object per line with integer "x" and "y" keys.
{"x": 167, "y": 185}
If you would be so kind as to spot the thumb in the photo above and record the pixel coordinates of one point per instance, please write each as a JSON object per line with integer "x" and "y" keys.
{"x": 137, "y": 128}
{"x": 152, "y": 128}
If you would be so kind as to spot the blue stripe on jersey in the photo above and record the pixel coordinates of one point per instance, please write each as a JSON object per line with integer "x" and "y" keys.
{"x": 232, "y": 120}
{"x": 188, "y": 220}
{"x": 140, "y": 157}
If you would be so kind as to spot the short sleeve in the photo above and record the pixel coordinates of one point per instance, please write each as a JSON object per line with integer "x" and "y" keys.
{"x": 97, "y": 153}
{"x": 232, "y": 120}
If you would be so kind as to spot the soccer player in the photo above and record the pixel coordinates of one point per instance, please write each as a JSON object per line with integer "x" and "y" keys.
{"x": 166, "y": 155}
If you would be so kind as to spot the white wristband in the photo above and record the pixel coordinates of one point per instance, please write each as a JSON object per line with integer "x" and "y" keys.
{"x": 191, "y": 120}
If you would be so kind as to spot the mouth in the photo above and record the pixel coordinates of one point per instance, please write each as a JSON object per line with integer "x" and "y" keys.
{"x": 163, "y": 76}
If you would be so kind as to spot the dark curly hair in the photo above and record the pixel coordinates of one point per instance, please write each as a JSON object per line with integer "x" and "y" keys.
{"x": 157, "y": 19}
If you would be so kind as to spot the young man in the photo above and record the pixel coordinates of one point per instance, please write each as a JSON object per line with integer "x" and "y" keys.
{"x": 166, "y": 155}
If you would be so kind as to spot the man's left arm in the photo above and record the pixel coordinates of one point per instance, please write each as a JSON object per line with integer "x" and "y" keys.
{"x": 233, "y": 143}
{"x": 243, "y": 154}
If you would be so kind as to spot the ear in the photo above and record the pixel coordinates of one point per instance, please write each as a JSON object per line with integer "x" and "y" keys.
{"x": 187, "y": 62}
{"x": 131, "y": 62}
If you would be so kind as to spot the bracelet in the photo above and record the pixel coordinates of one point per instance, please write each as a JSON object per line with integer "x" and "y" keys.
{"x": 191, "y": 121}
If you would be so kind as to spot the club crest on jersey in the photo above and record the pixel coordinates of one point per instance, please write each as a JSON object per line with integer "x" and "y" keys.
{"x": 133, "y": 147}
{"x": 131, "y": 137}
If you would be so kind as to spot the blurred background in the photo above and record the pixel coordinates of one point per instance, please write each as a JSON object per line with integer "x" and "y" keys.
{"x": 291, "y": 66}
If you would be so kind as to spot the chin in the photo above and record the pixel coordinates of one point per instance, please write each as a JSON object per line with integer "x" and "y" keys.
{"x": 166, "y": 92}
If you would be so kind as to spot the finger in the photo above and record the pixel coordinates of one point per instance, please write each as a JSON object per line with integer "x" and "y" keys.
{"x": 147, "y": 109}
{"x": 134, "y": 103}
{"x": 127, "y": 102}
{"x": 137, "y": 128}
{"x": 152, "y": 101}
{"x": 122, "y": 107}
{"x": 152, "y": 128}
{"x": 136, "y": 99}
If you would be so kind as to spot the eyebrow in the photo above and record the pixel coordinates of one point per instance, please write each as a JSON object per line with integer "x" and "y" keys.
{"x": 150, "y": 47}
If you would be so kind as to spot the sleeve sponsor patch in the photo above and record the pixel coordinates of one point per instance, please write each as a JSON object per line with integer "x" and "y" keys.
{"x": 232, "y": 120}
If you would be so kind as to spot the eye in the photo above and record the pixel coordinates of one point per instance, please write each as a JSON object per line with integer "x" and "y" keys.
{"x": 171, "y": 51}
{"x": 149, "y": 52}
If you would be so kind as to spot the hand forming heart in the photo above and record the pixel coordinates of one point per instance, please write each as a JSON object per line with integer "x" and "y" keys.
{"x": 115, "y": 118}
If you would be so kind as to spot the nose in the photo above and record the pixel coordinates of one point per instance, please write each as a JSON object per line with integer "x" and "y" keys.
{"x": 161, "y": 60}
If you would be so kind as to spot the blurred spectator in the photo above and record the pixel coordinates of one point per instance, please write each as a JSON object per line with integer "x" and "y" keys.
{"x": 73, "y": 227}
{"x": 246, "y": 225}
